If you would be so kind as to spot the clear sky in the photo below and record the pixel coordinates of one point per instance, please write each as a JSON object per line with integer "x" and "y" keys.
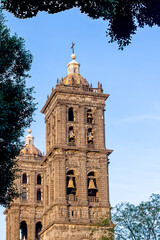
{"x": 131, "y": 77}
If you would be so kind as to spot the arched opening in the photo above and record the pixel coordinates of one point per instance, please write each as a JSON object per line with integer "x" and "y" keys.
{"x": 70, "y": 114}
{"x": 24, "y": 178}
{"x": 92, "y": 184}
{"x": 24, "y": 194}
{"x": 90, "y": 137}
{"x": 38, "y": 229}
{"x": 89, "y": 116}
{"x": 71, "y": 135}
{"x": 23, "y": 230}
{"x": 38, "y": 194}
{"x": 71, "y": 183}
{"x": 39, "y": 179}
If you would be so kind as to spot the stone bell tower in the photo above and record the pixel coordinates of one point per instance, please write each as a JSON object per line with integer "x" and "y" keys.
{"x": 76, "y": 188}
{"x": 24, "y": 216}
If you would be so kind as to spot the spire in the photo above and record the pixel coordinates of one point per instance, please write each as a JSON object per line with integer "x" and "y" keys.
{"x": 74, "y": 77}
{"x": 29, "y": 139}
{"x": 73, "y": 66}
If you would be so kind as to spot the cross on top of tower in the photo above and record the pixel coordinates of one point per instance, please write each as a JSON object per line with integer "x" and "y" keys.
{"x": 73, "y": 44}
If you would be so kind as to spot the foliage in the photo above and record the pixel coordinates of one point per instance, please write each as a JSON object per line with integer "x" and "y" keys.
{"x": 141, "y": 222}
{"x": 16, "y": 106}
{"x": 124, "y": 16}
{"x": 138, "y": 222}
{"x": 104, "y": 230}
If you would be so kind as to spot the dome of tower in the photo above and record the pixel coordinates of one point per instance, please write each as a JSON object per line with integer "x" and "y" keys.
{"x": 74, "y": 76}
{"x": 29, "y": 148}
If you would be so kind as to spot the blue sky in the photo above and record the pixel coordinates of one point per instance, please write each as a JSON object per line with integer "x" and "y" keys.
{"x": 131, "y": 77}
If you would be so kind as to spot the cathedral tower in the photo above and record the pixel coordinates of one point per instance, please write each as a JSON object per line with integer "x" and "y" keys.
{"x": 76, "y": 192}
{"x": 24, "y": 217}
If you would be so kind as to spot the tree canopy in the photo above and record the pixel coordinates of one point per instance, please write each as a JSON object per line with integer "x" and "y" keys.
{"x": 16, "y": 106}
{"x": 130, "y": 222}
{"x": 124, "y": 16}
{"x": 138, "y": 222}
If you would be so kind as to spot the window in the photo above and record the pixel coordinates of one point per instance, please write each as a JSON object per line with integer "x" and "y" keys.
{"x": 23, "y": 230}
{"x": 24, "y": 178}
{"x": 71, "y": 182}
{"x": 38, "y": 194}
{"x": 24, "y": 194}
{"x": 89, "y": 116}
{"x": 38, "y": 229}
{"x": 70, "y": 114}
{"x": 39, "y": 179}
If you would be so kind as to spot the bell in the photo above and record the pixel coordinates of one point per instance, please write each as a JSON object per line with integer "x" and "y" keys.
{"x": 70, "y": 183}
{"x": 89, "y": 115}
{"x": 90, "y": 137}
{"x": 92, "y": 185}
{"x": 71, "y": 135}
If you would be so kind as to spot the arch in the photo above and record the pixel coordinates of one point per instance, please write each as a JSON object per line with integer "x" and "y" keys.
{"x": 24, "y": 178}
{"x": 38, "y": 194}
{"x": 71, "y": 182}
{"x": 24, "y": 193}
{"x": 89, "y": 116}
{"x": 39, "y": 179}
{"x": 23, "y": 230}
{"x": 92, "y": 184}
{"x": 71, "y": 114}
{"x": 38, "y": 228}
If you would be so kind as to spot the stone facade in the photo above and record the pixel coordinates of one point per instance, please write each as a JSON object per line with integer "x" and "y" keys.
{"x": 75, "y": 169}
{"x": 24, "y": 217}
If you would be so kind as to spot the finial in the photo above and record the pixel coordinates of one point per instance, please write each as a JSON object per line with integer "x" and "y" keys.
{"x": 72, "y": 47}
{"x": 29, "y": 130}
{"x": 73, "y": 56}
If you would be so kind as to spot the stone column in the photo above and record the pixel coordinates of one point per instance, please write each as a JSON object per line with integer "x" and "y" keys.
{"x": 60, "y": 177}
{"x": 63, "y": 131}
{"x": 82, "y": 132}
{"x": 7, "y": 224}
{"x": 15, "y": 223}
{"x": 31, "y": 225}
{"x": 60, "y": 207}
{"x": 99, "y": 140}
{"x": 82, "y": 185}
{"x": 103, "y": 182}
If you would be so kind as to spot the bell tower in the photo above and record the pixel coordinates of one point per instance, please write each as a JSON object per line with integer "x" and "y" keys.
{"x": 76, "y": 188}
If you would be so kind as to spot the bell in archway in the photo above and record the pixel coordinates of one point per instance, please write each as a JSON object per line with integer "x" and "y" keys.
{"x": 70, "y": 183}
{"x": 90, "y": 137}
{"x": 71, "y": 135}
{"x": 89, "y": 116}
{"x": 92, "y": 185}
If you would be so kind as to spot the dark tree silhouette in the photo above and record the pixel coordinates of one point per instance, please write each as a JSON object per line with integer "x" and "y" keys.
{"x": 124, "y": 16}
{"x": 16, "y": 106}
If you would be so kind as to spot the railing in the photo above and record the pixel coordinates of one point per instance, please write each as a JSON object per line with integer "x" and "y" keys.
{"x": 93, "y": 199}
{"x": 72, "y": 198}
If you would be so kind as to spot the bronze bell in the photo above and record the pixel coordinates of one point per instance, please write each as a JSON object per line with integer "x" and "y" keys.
{"x": 71, "y": 135}
{"x": 70, "y": 183}
{"x": 90, "y": 137}
{"x": 92, "y": 185}
{"x": 89, "y": 115}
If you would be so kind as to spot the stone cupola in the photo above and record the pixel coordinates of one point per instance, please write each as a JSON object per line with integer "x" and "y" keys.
{"x": 74, "y": 76}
